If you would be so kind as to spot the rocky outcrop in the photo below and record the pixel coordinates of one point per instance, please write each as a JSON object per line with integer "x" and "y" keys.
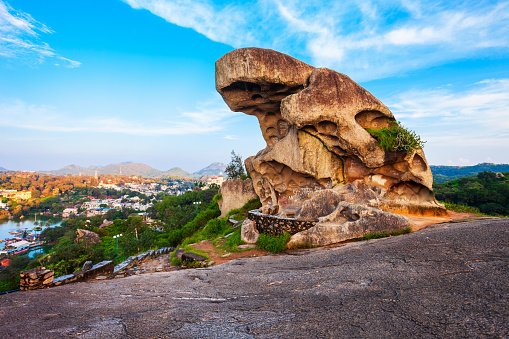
{"x": 88, "y": 236}
{"x": 235, "y": 193}
{"x": 106, "y": 223}
{"x": 314, "y": 123}
{"x": 349, "y": 221}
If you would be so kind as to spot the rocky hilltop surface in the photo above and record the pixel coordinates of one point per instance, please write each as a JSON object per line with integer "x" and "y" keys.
{"x": 447, "y": 280}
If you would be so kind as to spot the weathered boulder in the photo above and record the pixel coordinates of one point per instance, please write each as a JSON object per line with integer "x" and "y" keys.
{"x": 190, "y": 257}
{"x": 320, "y": 204}
{"x": 106, "y": 223}
{"x": 349, "y": 221}
{"x": 235, "y": 193}
{"x": 314, "y": 122}
{"x": 248, "y": 232}
{"x": 88, "y": 236}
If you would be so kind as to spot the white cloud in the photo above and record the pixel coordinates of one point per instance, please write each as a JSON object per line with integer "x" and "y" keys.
{"x": 476, "y": 116}
{"x": 218, "y": 24}
{"x": 17, "y": 114}
{"x": 19, "y": 38}
{"x": 365, "y": 40}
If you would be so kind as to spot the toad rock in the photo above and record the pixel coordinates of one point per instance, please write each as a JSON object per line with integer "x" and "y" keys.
{"x": 314, "y": 123}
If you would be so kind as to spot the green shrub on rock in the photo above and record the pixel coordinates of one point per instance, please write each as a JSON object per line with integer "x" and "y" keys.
{"x": 273, "y": 243}
{"x": 397, "y": 138}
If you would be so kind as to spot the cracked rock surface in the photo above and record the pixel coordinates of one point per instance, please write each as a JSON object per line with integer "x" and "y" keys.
{"x": 447, "y": 280}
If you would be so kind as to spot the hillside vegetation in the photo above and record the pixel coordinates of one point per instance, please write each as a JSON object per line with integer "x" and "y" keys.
{"x": 446, "y": 173}
{"x": 488, "y": 191}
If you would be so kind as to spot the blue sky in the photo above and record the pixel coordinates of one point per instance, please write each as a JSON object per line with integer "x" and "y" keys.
{"x": 98, "y": 82}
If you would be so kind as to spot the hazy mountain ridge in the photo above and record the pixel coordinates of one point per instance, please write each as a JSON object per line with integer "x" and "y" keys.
{"x": 212, "y": 169}
{"x": 447, "y": 173}
{"x": 138, "y": 169}
{"x": 179, "y": 172}
{"x": 3, "y": 169}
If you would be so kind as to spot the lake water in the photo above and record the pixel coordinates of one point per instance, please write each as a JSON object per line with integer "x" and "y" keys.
{"x": 28, "y": 224}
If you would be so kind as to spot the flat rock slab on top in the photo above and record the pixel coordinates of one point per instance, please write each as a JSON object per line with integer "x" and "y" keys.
{"x": 190, "y": 256}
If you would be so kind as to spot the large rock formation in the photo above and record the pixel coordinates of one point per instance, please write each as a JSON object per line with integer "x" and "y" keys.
{"x": 235, "y": 193}
{"x": 314, "y": 122}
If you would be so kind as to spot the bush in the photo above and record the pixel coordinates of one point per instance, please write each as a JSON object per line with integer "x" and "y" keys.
{"x": 460, "y": 208}
{"x": 273, "y": 243}
{"x": 233, "y": 241}
{"x": 175, "y": 237}
{"x": 397, "y": 138}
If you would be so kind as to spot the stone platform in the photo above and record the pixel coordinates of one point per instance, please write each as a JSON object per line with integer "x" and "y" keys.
{"x": 447, "y": 281}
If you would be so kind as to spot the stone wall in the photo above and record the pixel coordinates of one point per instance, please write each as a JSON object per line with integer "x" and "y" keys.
{"x": 235, "y": 194}
{"x": 36, "y": 278}
{"x": 102, "y": 268}
{"x": 271, "y": 224}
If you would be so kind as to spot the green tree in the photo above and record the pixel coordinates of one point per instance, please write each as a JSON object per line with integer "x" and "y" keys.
{"x": 235, "y": 169}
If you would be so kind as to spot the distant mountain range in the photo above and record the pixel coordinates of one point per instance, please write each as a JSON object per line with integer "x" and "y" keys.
{"x": 447, "y": 173}
{"x": 5, "y": 169}
{"x": 212, "y": 169}
{"x": 138, "y": 169}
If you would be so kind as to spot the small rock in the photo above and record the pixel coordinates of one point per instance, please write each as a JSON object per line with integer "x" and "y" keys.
{"x": 87, "y": 265}
{"x": 210, "y": 263}
{"x": 248, "y": 232}
{"x": 190, "y": 256}
{"x": 246, "y": 246}
{"x": 101, "y": 277}
{"x": 226, "y": 255}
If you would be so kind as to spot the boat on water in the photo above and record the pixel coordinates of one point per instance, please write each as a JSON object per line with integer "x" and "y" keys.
{"x": 16, "y": 248}
{"x": 37, "y": 243}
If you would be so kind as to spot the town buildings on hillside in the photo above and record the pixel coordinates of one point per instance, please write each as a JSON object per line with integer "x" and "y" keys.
{"x": 16, "y": 195}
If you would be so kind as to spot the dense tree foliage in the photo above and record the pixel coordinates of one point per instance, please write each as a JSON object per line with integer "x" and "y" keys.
{"x": 447, "y": 173}
{"x": 488, "y": 191}
{"x": 176, "y": 211}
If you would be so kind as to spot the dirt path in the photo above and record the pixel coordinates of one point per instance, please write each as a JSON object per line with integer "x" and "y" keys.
{"x": 418, "y": 222}
{"x": 220, "y": 254}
